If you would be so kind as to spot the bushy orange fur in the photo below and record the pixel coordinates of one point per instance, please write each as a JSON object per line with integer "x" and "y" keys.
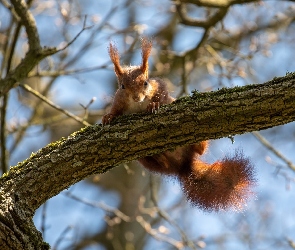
{"x": 225, "y": 184}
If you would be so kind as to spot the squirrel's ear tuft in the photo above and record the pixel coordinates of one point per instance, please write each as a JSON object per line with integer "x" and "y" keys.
{"x": 115, "y": 57}
{"x": 146, "y": 46}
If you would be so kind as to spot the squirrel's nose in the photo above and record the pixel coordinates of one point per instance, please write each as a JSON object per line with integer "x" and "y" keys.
{"x": 138, "y": 98}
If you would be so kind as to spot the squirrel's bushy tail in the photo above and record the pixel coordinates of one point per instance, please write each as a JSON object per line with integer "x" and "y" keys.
{"x": 225, "y": 184}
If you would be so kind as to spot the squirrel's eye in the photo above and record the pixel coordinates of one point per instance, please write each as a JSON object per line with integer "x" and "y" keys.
{"x": 146, "y": 83}
{"x": 122, "y": 86}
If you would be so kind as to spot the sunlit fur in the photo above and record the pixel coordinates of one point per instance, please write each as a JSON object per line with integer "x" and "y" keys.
{"x": 225, "y": 184}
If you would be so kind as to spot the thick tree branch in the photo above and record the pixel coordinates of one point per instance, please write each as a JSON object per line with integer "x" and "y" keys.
{"x": 31, "y": 59}
{"x": 27, "y": 19}
{"x": 203, "y": 116}
{"x": 97, "y": 149}
{"x": 209, "y": 22}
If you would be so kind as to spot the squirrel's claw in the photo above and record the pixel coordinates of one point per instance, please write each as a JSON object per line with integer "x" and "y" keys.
{"x": 106, "y": 119}
{"x": 153, "y": 107}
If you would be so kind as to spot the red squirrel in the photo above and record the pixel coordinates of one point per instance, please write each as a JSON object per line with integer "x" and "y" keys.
{"x": 225, "y": 184}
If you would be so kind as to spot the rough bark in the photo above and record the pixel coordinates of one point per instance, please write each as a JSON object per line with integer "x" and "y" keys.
{"x": 97, "y": 149}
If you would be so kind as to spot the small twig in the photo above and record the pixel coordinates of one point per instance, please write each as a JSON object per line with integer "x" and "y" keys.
{"x": 100, "y": 205}
{"x": 21, "y": 128}
{"x": 47, "y": 121}
{"x": 79, "y": 33}
{"x": 66, "y": 72}
{"x": 86, "y": 108}
{"x": 4, "y": 161}
{"x": 272, "y": 149}
{"x": 50, "y": 103}
{"x": 184, "y": 76}
{"x": 157, "y": 235}
{"x": 191, "y": 54}
{"x": 61, "y": 237}
{"x": 43, "y": 219}
{"x": 291, "y": 243}
{"x": 165, "y": 216}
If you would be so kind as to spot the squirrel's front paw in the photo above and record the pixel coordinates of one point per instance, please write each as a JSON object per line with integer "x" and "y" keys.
{"x": 153, "y": 107}
{"x": 106, "y": 119}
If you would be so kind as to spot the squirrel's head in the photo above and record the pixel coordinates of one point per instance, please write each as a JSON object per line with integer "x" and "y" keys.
{"x": 133, "y": 79}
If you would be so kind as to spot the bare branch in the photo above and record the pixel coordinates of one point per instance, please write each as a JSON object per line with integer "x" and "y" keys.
{"x": 27, "y": 19}
{"x": 211, "y": 21}
{"x": 3, "y": 131}
{"x": 185, "y": 240}
{"x": 35, "y": 53}
{"x": 218, "y": 3}
{"x": 158, "y": 236}
{"x": 100, "y": 205}
{"x": 66, "y": 72}
{"x": 50, "y": 103}
{"x": 266, "y": 143}
{"x": 61, "y": 237}
{"x": 291, "y": 243}
{"x": 76, "y": 37}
